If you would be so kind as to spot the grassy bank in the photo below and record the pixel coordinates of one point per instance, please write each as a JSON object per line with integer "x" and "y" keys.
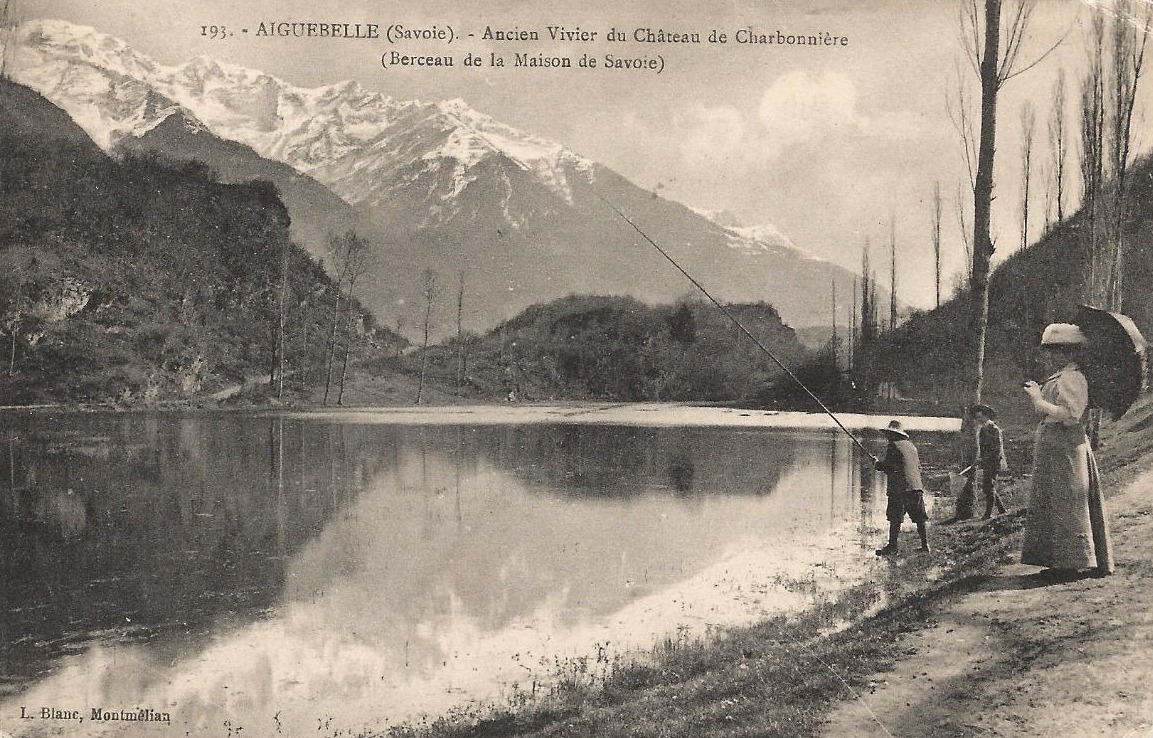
{"x": 783, "y": 677}
{"x": 776, "y": 678}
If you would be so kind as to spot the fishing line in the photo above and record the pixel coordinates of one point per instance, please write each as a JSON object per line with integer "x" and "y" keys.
{"x": 860, "y": 698}
{"x": 735, "y": 321}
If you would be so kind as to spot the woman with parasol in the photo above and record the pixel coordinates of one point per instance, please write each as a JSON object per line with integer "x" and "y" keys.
{"x": 1066, "y": 530}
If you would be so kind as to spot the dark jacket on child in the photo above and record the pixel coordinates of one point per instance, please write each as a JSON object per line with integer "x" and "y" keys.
{"x": 991, "y": 457}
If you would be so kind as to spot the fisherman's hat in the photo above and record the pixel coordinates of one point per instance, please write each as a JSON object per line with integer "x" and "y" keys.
{"x": 894, "y": 429}
{"x": 1063, "y": 334}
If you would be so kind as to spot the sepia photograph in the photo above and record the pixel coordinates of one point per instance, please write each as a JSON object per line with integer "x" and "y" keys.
{"x": 419, "y": 369}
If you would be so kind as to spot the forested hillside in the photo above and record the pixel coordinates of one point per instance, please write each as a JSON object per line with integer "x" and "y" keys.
{"x": 315, "y": 211}
{"x": 928, "y": 356}
{"x": 140, "y": 280}
{"x": 617, "y": 348}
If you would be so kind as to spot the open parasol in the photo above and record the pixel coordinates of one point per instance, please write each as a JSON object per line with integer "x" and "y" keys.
{"x": 1115, "y": 362}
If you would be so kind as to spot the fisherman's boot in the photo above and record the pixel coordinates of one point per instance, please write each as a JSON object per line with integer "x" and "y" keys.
{"x": 991, "y": 499}
{"x": 891, "y": 549}
{"x": 923, "y": 532}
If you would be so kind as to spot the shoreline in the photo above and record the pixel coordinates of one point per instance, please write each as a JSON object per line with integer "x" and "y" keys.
{"x": 641, "y": 414}
{"x": 980, "y": 646}
{"x": 670, "y": 414}
{"x": 851, "y": 666}
{"x": 1029, "y": 655}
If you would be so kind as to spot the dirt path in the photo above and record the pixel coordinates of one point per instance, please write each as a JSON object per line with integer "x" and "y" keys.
{"x": 1010, "y": 654}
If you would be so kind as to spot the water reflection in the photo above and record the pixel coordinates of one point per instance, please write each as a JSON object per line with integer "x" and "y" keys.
{"x": 313, "y": 575}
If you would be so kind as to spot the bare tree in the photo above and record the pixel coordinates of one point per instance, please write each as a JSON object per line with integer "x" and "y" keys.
{"x": 1116, "y": 43}
{"x": 429, "y": 291}
{"x": 1130, "y": 35}
{"x": 892, "y": 274}
{"x": 358, "y": 265}
{"x": 1058, "y": 142}
{"x": 983, "y": 248}
{"x": 834, "y": 315}
{"x": 937, "y": 240}
{"x": 867, "y": 327}
{"x": 1028, "y": 124}
{"x": 460, "y": 335}
{"x": 963, "y": 123}
{"x": 349, "y": 252}
{"x": 996, "y": 60}
{"x": 282, "y": 318}
{"x": 966, "y": 236}
{"x": 853, "y": 329}
{"x": 15, "y": 310}
{"x": 1092, "y": 121}
{"x": 868, "y": 300}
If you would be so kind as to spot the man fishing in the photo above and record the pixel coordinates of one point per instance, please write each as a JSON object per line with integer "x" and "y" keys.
{"x": 902, "y": 466}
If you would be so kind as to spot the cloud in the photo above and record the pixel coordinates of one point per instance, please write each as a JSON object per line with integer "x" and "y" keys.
{"x": 712, "y": 133}
{"x": 801, "y": 106}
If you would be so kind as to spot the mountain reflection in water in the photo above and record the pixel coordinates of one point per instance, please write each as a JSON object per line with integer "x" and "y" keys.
{"x": 257, "y": 572}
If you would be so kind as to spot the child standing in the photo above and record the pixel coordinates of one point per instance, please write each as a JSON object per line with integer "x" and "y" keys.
{"x": 990, "y": 456}
{"x": 902, "y": 466}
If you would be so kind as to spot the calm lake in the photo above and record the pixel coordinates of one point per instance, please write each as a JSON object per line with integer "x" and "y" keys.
{"x": 330, "y": 574}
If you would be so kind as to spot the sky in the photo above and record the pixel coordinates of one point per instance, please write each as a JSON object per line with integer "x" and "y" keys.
{"x": 834, "y": 145}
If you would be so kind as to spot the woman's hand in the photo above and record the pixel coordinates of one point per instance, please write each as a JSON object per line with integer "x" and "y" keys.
{"x": 1033, "y": 390}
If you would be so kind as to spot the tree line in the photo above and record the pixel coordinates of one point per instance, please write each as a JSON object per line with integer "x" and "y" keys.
{"x": 616, "y": 348}
{"x": 1093, "y": 122}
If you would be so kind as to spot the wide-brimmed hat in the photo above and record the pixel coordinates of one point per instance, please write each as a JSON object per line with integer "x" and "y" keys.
{"x": 982, "y": 408}
{"x": 1063, "y": 334}
{"x": 894, "y": 428}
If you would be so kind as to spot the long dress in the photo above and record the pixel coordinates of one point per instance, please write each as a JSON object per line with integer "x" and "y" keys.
{"x": 1067, "y": 527}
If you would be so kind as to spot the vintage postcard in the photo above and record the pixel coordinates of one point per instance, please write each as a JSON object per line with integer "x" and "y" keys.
{"x": 420, "y": 368}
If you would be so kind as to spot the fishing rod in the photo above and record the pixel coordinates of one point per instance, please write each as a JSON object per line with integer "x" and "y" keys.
{"x": 728, "y": 314}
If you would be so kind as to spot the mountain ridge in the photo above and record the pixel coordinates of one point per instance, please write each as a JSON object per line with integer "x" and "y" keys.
{"x": 140, "y": 280}
{"x": 436, "y": 186}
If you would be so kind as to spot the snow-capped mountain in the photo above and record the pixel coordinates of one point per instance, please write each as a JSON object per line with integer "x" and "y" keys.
{"x": 435, "y": 185}
{"x": 343, "y": 136}
{"x": 764, "y": 237}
